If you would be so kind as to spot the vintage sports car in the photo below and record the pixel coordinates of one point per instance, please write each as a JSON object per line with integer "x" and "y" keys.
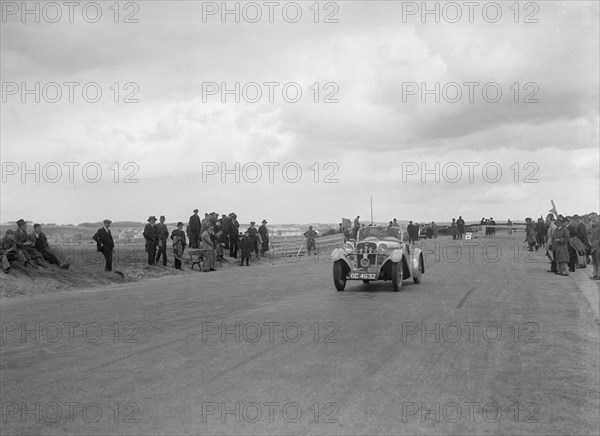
{"x": 378, "y": 254}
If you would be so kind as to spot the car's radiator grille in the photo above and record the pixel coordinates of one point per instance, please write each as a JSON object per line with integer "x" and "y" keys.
{"x": 366, "y": 246}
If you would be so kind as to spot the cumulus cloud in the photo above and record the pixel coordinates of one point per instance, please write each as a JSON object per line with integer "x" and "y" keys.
{"x": 359, "y": 111}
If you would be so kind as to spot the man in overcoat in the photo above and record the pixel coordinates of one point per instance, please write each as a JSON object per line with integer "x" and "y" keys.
{"x": 151, "y": 239}
{"x": 560, "y": 243}
{"x": 105, "y": 243}
{"x": 162, "y": 234}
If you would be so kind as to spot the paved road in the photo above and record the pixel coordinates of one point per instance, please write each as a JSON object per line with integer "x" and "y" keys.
{"x": 481, "y": 346}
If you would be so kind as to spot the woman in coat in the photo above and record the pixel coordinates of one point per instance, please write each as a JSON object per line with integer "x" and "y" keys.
{"x": 208, "y": 249}
{"x": 530, "y": 235}
{"x": 453, "y": 229}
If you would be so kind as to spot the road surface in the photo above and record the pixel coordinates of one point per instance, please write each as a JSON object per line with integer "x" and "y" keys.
{"x": 486, "y": 344}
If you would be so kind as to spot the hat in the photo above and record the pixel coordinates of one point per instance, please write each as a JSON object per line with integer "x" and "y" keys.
{"x": 560, "y": 218}
{"x": 576, "y": 216}
{"x": 264, "y": 221}
{"x": 179, "y": 224}
{"x": 152, "y": 217}
{"x": 107, "y": 221}
{"x": 195, "y": 210}
{"x": 162, "y": 217}
{"x": 252, "y": 222}
{"x": 21, "y": 222}
{"x": 10, "y": 232}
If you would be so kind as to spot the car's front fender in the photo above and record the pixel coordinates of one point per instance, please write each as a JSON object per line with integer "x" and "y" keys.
{"x": 396, "y": 255}
{"x": 339, "y": 254}
{"x": 414, "y": 261}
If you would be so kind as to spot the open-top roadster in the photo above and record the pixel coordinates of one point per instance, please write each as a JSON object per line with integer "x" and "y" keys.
{"x": 379, "y": 253}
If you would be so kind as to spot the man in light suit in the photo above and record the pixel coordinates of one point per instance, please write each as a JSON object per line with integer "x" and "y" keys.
{"x": 105, "y": 243}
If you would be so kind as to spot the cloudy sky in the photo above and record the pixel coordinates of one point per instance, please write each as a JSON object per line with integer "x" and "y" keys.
{"x": 492, "y": 111}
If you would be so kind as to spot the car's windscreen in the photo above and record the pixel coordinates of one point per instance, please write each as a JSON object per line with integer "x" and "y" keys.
{"x": 379, "y": 232}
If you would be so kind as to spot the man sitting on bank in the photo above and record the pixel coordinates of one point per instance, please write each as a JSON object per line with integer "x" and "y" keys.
{"x": 25, "y": 244}
{"x": 40, "y": 242}
{"x": 10, "y": 252}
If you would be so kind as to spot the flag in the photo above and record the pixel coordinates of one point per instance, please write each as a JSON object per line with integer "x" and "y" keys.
{"x": 346, "y": 223}
{"x": 553, "y": 210}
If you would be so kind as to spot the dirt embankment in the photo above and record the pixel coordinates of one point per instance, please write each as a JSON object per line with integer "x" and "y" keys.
{"x": 87, "y": 266}
{"x": 21, "y": 281}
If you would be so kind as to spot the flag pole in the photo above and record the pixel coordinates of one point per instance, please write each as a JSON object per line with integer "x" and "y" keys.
{"x": 371, "y": 209}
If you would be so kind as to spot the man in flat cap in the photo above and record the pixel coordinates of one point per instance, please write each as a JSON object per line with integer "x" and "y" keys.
{"x": 194, "y": 229}
{"x": 413, "y": 232}
{"x": 10, "y": 252}
{"x": 264, "y": 236}
{"x": 151, "y": 239}
{"x": 560, "y": 243}
{"x": 225, "y": 229}
{"x": 310, "y": 236}
{"x": 234, "y": 235}
{"x": 253, "y": 234}
{"x": 27, "y": 247}
{"x": 582, "y": 234}
{"x": 162, "y": 234}
{"x": 105, "y": 243}
{"x": 179, "y": 243}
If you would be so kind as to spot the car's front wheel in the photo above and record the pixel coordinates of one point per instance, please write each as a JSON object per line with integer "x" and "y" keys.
{"x": 339, "y": 275}
{"x": 397, "y": 275}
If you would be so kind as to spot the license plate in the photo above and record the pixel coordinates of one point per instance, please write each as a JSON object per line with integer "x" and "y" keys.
{"x": 363, "y": 276}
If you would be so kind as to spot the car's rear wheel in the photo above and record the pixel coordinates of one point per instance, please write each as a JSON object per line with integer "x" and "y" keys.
{"x": 339, "y": 275}
{"x": 417, "y": 277}
{"x": 397, "y": 275}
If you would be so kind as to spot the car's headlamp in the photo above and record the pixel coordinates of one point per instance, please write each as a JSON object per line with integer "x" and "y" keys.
{"x": 348, "y": 247}
{"x": 383, "y": 249}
